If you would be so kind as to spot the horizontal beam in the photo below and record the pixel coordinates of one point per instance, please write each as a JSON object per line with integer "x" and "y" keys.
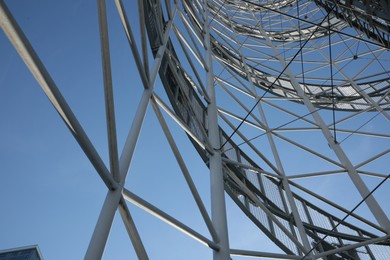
{"x": 315, "y": 174}
{"x": 253, "y": 169}
{"x": 336, "y": 206}
{"x": 349, "y": 247}
{"x": 266, "y": 255}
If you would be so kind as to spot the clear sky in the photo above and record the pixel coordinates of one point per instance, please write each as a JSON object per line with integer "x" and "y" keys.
{"x": 50, "y": 194}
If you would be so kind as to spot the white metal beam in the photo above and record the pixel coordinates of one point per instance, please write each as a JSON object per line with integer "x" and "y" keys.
{"x": 132, "y": 230}
{"x": 264, "y": 255}
{"x": 35, "y": 65}
{"x": 218, "y": 206}
{"x": 131, "y": 197}
{"x": 186, "y": 173}
{"x": 108, "y": 91}
{"x": 371, "y": 202}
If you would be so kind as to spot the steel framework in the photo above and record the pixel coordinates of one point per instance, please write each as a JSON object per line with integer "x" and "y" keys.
{"x": 269, "y": 93}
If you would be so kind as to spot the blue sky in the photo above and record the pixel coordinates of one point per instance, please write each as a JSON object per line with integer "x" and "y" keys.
{"x": 50, "y": 194}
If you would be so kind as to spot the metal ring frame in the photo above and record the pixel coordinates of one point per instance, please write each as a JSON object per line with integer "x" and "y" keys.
{"x": 250, "y": 83}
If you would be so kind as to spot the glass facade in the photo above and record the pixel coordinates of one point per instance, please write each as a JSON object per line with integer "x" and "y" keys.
{"x": 24, "y": 253}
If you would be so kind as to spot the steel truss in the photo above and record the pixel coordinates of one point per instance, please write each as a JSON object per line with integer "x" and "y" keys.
{"x": 269, "y": 93}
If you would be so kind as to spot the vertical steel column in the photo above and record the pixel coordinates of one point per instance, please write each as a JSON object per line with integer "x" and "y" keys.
{"x": 218, "y": 206}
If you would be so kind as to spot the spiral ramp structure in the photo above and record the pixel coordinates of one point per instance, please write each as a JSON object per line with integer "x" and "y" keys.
{"x": 296, "y": 88}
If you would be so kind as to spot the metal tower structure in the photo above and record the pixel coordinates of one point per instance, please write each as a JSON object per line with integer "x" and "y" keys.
{"x": 277, "y": 97}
